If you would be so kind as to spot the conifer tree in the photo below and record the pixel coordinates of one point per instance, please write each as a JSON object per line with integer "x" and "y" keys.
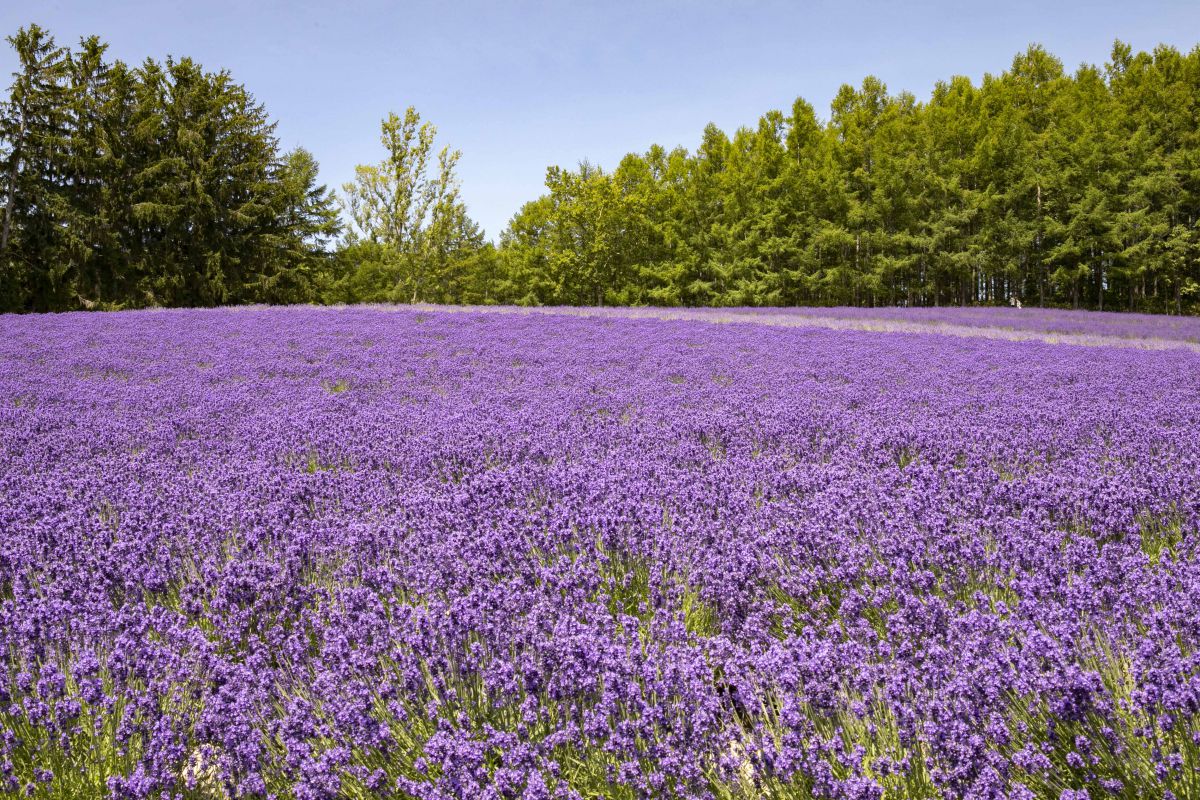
{"x": 34, "y": 126}
{"x": 156, "y": 185}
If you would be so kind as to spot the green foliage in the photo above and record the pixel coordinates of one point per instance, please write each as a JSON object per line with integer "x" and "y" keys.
{"x": 1110, "y": 751}
{"x": 1035, "y": 186}
{"x": 154, "y": 185}
{"x": 34, "y": 125}
{"x": 411, "y": 239}
{"x": 81, "y": 762}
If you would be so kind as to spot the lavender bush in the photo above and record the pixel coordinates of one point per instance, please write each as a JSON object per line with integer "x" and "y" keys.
{"x": 317, "y": 553}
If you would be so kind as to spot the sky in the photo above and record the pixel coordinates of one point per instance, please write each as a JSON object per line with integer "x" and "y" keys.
{"x": 520, "y": 86}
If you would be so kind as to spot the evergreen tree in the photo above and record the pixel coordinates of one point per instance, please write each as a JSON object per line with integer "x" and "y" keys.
{"x": 306, "y": 222}
{"x": 34, "y": 127}
{"x": 155, "y": 185}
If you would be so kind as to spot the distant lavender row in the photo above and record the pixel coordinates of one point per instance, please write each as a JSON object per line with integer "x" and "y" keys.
{"x": 320, "y": 553}
{"x": 1144, "y": 331}
{"x": 1088, "y": 323}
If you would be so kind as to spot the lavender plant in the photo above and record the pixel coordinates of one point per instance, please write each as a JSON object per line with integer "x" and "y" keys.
{"x": 316, "y": 553}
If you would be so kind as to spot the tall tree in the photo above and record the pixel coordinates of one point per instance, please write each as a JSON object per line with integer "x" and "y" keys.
{"x": 305, "y": 224}
{"x": 156, "y": 185}
{"x": 34, "y": 126}
{"x": 409, "y": 203}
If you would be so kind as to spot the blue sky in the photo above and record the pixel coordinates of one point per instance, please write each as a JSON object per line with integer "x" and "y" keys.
{"x": 520, "y": 86}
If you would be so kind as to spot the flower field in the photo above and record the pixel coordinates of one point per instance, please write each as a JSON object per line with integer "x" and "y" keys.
{"x": 316, "y": 553}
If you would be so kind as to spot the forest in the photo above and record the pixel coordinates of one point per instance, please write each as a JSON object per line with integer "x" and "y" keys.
{"x": 164, "y": 184}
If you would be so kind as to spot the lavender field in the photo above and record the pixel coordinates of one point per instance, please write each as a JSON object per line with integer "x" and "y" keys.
{"x": 315, "y": 553}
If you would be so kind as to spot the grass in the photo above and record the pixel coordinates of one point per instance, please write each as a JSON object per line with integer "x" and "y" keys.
{"x": 1117, "y": 752}
{"x": 1161, "y": 536}
{"x": 868, "y": 743}
{"x": 336, "y": 387}
{"x": 313, "y": 462}
{"x": 85, "y": 744}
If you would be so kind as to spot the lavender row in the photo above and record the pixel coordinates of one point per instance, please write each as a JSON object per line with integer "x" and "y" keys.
{"x": 1041, "y": 320}
{"x": 321, "y": 553}
{"x": 1056, "y": 326}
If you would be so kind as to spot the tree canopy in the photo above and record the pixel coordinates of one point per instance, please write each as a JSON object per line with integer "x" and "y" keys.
{"x": 410, "y": 239}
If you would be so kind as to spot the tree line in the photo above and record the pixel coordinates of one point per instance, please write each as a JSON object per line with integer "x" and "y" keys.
{"x": 164, "y": 184}
{"x": 1036, "y": 186}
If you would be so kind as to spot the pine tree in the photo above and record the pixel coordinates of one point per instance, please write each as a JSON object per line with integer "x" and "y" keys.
{"x": 35, "y": 127}
{"x": 88, "y": 241}
{"x": 296, "y": 263}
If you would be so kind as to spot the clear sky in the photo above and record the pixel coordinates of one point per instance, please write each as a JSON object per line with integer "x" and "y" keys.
{"x": 520, "y": 86}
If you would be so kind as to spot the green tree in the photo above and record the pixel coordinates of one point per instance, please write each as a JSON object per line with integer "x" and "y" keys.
{"x": 306, "y": 222}
{"x": 155, "y": 185}
{"x": 34, "y": 127}
{"x": 412, "y": 208}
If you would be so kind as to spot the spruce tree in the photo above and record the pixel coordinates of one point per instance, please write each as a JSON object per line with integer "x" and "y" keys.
{"x": 34, "y": 126}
